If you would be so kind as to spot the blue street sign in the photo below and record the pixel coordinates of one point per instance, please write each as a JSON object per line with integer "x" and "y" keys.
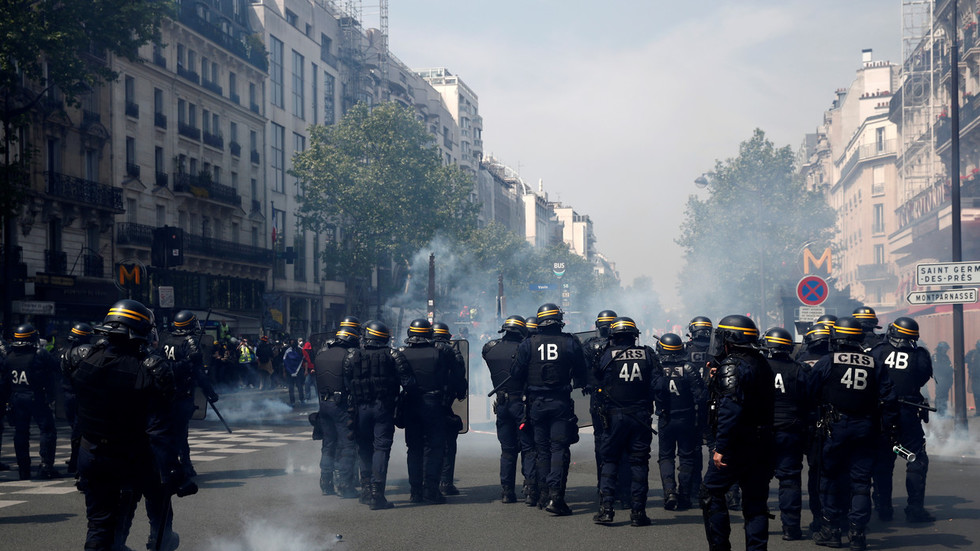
{"x": 541, "y": 287}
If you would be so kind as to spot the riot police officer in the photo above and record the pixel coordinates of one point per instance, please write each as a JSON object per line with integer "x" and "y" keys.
{"x": 531, "y": 324}
{"x": 909, "y": 368}
{"x": 119, "y": 387}
{"x": 677, "y": 423}
{"x": 743, "y": 396}
{"x": 695, "y": 349}
{"x": 698, "y": 339}
{"x": 791, "y": 383}
{"x": 549, "y": 363}
{"x": 942, "y": 370}
{"x": 816, "y": 342}
{"x": 868, "y": 319}
{"x": 81, "y": 333}
{"x": 629, "y": 381}
{"x": 182, "y": 347}
{"x": 509, "y": 409}
{"x": 31, "y": 373}
{"x": 374, "y": 374}
{"x": 816, "y": 345}
{"x": 454, "y": 423}
{"x": 855, "y": 396}
{"x": 426, "y": 409}
{"x": 334, "y": 416}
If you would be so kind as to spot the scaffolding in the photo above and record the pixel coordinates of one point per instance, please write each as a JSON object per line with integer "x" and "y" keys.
{"x": 356, "y": 45}
{"x": 920, "y": 55}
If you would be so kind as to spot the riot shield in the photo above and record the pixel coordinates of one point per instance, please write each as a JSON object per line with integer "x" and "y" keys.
{"x": 462, "y": 408}
{"x": 200, "y": 404}
{"x": 581, "y": 401}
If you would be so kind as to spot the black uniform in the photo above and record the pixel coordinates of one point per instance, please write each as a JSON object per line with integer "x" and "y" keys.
{"x": 942, "y": 370}
{"x": 185, "y": 354}
{"x": 453, "y": 423}
{"x": 509, "y": 409}
{"x": 630, "y": 380}
{"x": 31, "y": 374}
{"x": 808, "y": 355}
{"x": 71, "y": 403}
{"x": 679, "y": 434}
{"x": 850, "y": 387}
{"x": 119, "y": 388}
{"x": 547, "y": 363}
{"x": 792, "y": 383}
{"x": 334, "y": 419}
{"x": 373, "y": 374}
{"x": 426, "y": 411}
{"x": 909, "y": 368}
{"x": 743, "y": 436}
{"x": 594, "y": 347}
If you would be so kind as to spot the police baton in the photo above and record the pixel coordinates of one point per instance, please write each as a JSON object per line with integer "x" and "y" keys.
{"x": 616, "y": 403}
{"x": 218, "y": 413}
{"x": 920, "y": 406}
{"x": 497, "y": 388}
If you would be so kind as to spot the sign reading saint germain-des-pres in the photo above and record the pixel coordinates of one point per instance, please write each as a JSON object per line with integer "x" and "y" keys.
{"x": 948, "y": 273}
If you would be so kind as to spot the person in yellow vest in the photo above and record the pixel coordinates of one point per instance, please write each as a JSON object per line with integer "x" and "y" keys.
{"x": 247, "y": 364}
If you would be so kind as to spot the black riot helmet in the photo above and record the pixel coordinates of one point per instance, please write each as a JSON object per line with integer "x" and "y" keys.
{"x": 699, "y": 328}
{"x": 777, "y": 340}
{"x": 441, "y": 332}
{"x": 817, "y": 333}
{"x": 185, "y": 323}
{"x": 847, "y": 330}
{"x": 346, "y": 336}
{"x": 903, "y": 332}
{"x": 130, "y": 319}
{"x": 376, "y": 332}
{"x": 623, "y": 329}
{"x": 670, "y": 347}
{"x": 531, "y": 324}
{"x": 738, "y": 330}
{"x": 827, "y": 320}
{"x": 603, "y": 320}
{"x": 867, "y": 317}
{"x": 420, "y": 330}
{"x": 514, "y": 324}
{"x": 351, "y": 324}
{"x": 549, "y": 314}
{"x": 943, "y": 346}
{"x": 24, "y": 336}
{"x": 80, "y": 333}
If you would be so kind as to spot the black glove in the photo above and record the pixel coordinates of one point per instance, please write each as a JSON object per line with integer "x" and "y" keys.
{"x": 212, "y": 396}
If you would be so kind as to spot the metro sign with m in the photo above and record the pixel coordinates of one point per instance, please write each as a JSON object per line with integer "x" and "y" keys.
{"x": 130, "y": 276}
{"x": 825, "y": 258}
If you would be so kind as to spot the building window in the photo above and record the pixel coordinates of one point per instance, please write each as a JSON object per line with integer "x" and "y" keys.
{"x": 276, "y": 72}
{"x": 161, "y": 216}
{"x": 291, "y": 18}
{"x": 278, "y": 157}
{"x": 298, "y": 85}
{"x": 233, "y": 86}
{"x": 313, "y": 79}
{"x": 880, "y": 139}
{"x": 879, "y": 254}
{"x": 299, "y": 144}
{"x": 181, "y": 111}
{"x": 328, "y": 101}
{"x": 157, "y": 100}
{"x": 878, "y": 224}
{"x": 92, "y": 165}
{"x": 130, "y": 153}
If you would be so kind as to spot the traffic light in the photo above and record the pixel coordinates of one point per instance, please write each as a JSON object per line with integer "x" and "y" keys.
{"x": 168, "y": 247}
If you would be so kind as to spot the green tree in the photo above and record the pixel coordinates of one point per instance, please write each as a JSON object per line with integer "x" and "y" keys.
{"x": 379, "y": 177}
{"x": 741, "y": 242}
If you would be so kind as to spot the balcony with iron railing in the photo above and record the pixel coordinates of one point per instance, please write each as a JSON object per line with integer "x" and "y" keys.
{"x": 160, "y": 120}
{"x": 79, "y": 190}
{"x": 254, "y": 107}
{"x": 874, "y": 272}
{"x": 329, "y": 58}
{"x": 204, "y": 188}
{"x": 93, "y": 265}
{"x": 256, "y": 206}
{"x": 865, "y": 152}
{"x": 159, "y": 60}
{"x": 235, "y": 98}
{"x": 162, "y": 178}
{"x": 132, "y": 169}
{"x": 214, "y": 140}
{"x": 132, "y": 110}
{"x": 141, "y": 235}
{"x": 254, "y": 54}
{"x": 90, "y": 117}
{"x": 188, "y": 74}
{"x": 55, "y": 262}
{"x": 188, "y": 131}
{"x": 235, "y": 148}
{"x": 255, "y": 157}
{"x": 213, "y": 86}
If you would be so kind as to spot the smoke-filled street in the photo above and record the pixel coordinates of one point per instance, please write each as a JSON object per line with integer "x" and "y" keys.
{"x": 259, "y": 491}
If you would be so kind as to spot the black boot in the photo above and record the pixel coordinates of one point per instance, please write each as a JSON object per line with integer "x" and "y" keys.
{"x": 24, "y": 472}
{"x": 347, "y": 492}
{"x": 918, "y": 514}
{"x": 544, "y": 497}
{"x": 671, "y": 501}
{"x": 365, "y": 497}
{"x": 449, "y": 489}
{"x": 829, "y": 534}
{"x": 433, "y": 495}
{"x": 856, "y": 538}
{"x": 531, "y": 495}
{"x": 683, "y": 502}
{"x": 556, "y": 504}
{"x": 792, "y": 533}
{"x": 638, "y": 517}
{"x": 47, "y": 472}
{"x": 326, "y": 484}
{"x": 507, "y": 494}
{"x": 734, "y": 498}
{"x": 605, "y": 515}
{"x": 378, "y": 500}
{"x": 415, "y": 495}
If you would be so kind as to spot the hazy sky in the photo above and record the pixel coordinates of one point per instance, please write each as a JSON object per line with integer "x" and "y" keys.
{"x": 618, "y": 106}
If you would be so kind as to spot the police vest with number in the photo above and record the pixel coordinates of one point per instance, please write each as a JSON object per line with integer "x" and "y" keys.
{"x": 853, "y": 386}
{"x": 679, "y": 375}
{"x": 499, "y": 355}
{"x": 786, "y": 381}
{"x": 548, "y": 366}
{"x": 627, "y": 378}
{"x": 907, "y": 368}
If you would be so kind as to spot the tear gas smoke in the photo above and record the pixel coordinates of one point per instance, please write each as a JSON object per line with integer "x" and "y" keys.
{"x": 264, "y": 410}
{"x": 281, "y": 534}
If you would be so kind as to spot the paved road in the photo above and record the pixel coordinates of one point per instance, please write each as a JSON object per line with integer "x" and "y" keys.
{"x": 259, "y": 491}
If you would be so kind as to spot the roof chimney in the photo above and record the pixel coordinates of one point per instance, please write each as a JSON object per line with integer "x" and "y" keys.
{"x": 866, "y": 56}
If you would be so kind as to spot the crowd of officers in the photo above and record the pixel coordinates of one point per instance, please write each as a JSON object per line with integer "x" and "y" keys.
{"x": 847, "y": 398}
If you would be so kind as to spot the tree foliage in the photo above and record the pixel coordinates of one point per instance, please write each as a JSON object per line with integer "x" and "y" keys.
{"x": 378, "y": 177}
{"x": 741, "y": 242}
